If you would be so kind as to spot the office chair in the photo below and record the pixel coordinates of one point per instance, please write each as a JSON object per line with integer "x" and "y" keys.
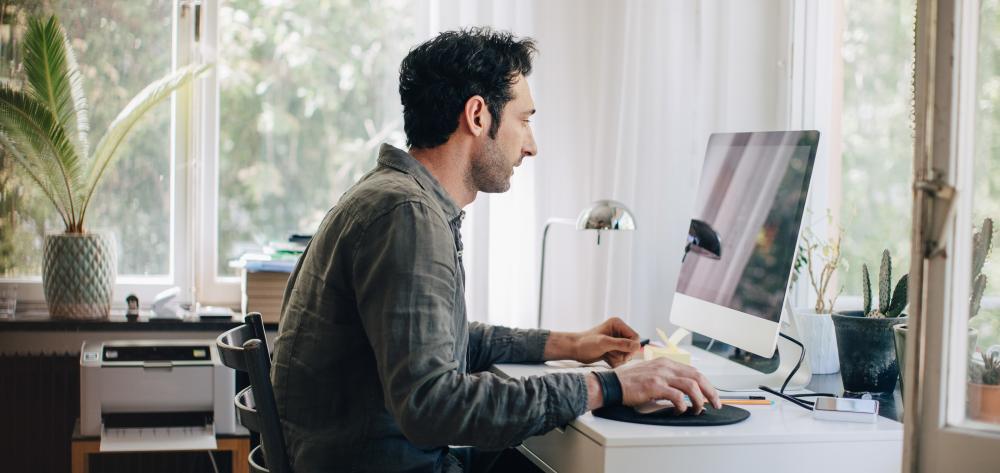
{"x": 244, "y": 348}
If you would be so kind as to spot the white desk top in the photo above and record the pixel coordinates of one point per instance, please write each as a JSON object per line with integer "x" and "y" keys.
{"x": 781, "y": 422}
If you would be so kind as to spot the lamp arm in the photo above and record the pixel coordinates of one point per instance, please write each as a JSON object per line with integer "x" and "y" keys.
{"x": 541, "y": 275}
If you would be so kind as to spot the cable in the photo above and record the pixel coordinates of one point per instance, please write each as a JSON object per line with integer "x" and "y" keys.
{"x": 798, "y": 364}
{"x": 813, "y": 395}
{"x": 794, "y": 398}
{"x": 212, "y": 459}
{"x": 798, "y": 402}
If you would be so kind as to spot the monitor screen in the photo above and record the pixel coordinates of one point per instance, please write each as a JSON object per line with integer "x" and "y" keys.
{"x": 742, "y": 240}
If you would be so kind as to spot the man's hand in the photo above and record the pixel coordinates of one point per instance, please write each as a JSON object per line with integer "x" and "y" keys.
{"x": 612, "y": 341}
{"x": 662, "y": 378}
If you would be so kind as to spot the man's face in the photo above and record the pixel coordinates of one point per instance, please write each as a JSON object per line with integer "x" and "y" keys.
{"x": 493, "y": 164}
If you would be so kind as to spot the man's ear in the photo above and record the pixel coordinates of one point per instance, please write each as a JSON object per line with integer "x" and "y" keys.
{"x": 476, "y": 116}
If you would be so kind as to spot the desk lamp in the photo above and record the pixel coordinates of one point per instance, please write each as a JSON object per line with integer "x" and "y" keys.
{"x": 601, "y": 215}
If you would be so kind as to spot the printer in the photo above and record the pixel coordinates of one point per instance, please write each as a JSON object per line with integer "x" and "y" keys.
{"x": 141, "y": 395}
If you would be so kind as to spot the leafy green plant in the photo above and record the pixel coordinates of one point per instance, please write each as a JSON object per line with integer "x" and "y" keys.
{"x": 44, "y": 123}
{"x": 989, "y": 372}
{"x": 891, "y": 303}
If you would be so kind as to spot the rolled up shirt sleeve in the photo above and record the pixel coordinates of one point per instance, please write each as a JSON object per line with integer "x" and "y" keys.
{"x": 405, "y": 271}
{"x": 491, "y": 344}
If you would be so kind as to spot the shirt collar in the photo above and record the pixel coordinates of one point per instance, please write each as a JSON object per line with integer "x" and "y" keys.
{"x": 395, "y": 158}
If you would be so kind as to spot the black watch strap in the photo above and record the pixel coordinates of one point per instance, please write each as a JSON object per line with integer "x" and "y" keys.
{"x": 611, "y": 387}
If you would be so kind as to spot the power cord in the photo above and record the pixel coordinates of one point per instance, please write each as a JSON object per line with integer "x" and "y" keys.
{"x": 794, "y": 398}
{"x": 211, "y": 457}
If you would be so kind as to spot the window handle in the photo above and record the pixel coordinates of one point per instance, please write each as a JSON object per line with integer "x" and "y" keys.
{"x": 186, "y": 7}
{"x": 937, "y": 196}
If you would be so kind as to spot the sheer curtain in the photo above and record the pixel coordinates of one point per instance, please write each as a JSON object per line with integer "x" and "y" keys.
{"x": 627, "y": 94}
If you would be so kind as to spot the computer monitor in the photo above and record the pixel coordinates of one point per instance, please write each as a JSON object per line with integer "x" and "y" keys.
{"x": 741, "y": 245}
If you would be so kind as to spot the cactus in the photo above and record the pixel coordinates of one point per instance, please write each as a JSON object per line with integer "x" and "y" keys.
{"x": 989, "y": 373}
{"x": 884, "y": 282}
{"x": 898, "y": 298}
{"x": 890, "y": 303}
{"x": 982, "y": 242}
{"x": 866, "y": 288}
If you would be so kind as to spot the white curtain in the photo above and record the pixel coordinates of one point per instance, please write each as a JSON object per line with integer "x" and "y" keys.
{"x": 627, "y": 94}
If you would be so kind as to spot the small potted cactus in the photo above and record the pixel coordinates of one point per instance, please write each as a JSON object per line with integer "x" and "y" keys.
{"x": 864, "y": 338}
{"x": 984, "y": 388}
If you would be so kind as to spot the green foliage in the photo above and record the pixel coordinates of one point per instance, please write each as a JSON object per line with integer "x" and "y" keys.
{"x": 989, "y": 372}
{"x": 982, "y": 242}
{"x": 877, "y": 139}
{"x": 898, "y": 297}
{"x": 307, "y": 93}
{"x": 892, "y": 303}
{"x": 35, "y": 122}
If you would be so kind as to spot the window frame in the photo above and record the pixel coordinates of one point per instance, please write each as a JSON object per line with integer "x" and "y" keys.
{"x": 30, "y": 290}
{"x": 936, "y": 434}
{"x": 210, "y": 287}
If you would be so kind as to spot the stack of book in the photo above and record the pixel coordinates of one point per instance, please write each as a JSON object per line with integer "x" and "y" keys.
{"x": 262, "y": 291}
{"x": 265, "y": 275}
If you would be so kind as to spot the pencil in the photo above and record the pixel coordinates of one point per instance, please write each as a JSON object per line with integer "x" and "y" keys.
{"x": 747, "y": 402}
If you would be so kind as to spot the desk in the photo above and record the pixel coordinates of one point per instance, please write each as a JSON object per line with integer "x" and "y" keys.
{"x": 83, "y": 447}
{"x": 777, "y": 438}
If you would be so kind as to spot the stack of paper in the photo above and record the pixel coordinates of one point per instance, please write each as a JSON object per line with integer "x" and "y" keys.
{"x": 262, "y": 292}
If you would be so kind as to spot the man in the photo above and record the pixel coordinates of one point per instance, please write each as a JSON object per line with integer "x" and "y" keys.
{"x": 376, "y": 367}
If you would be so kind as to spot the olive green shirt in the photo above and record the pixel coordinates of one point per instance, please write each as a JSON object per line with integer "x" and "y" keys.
{"x": 376, "y": 367}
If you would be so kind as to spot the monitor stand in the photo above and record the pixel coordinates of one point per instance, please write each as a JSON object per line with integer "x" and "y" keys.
{"x": 727, "y": 375}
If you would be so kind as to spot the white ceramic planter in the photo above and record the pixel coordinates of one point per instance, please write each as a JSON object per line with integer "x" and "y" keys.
{"x": 817, "y": 334}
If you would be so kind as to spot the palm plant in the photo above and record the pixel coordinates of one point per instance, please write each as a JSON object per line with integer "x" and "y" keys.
{"x": 44, "y": 124}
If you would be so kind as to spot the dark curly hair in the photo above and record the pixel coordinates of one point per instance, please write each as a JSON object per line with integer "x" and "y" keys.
{"x": 437, "y": 77}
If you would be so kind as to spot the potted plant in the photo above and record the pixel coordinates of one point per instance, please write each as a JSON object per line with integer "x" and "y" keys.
{"x": 864, "y": 338}
{"x": 984, "y": 388}
{"x": 44, "y": 127}
{"x": 982, "y": 243}
{"x": 820, "y": 258}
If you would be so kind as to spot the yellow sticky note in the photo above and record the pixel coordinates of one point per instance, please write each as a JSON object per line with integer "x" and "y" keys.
{"x": 671, "y": 350}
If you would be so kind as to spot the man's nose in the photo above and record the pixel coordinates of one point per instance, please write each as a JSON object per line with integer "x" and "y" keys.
{"x": 530, "y": 148}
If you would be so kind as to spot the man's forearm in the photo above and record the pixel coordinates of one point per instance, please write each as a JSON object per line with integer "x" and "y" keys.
{"x": 561, "y": 346}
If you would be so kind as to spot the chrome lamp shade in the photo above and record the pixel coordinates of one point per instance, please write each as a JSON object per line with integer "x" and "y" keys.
{"x": 601, "y": 215}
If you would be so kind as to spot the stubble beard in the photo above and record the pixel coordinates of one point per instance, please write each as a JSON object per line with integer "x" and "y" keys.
{"x": 489, "y": 171}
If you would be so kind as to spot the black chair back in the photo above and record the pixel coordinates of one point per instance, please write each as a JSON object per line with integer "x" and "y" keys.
{"x": 244, "y": 348}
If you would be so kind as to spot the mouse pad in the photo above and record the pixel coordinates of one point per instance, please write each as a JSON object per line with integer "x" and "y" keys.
{"x": 725, "y": 416}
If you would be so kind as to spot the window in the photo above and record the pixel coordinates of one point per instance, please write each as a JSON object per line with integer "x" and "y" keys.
{"x": 120, "y": 47}
{"x": 301, "y": 97}
{"x": 307, "y": 93}
{"x": 877, "y": 136}
{"x": 986, "y": 200}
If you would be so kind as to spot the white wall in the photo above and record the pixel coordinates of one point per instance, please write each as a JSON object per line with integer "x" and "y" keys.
{"x": 627, "y": 94}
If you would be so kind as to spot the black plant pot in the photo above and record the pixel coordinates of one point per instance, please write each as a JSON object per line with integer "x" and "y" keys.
{"x": 867, "y": 352}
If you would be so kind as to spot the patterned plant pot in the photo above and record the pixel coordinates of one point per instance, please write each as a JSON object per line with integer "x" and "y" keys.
{"x": 78, "y": 275}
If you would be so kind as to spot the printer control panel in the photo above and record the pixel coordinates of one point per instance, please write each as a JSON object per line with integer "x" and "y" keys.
{"x": 156, "y": 353}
